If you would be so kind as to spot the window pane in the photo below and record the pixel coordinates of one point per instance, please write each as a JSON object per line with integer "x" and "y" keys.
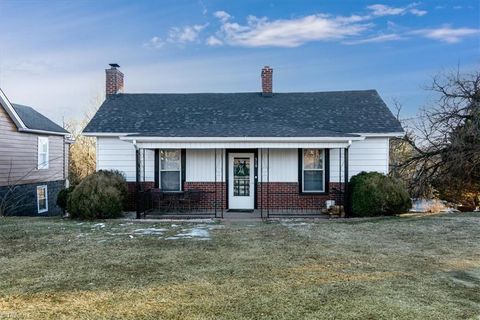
{"x": 45, "y": 147}
{"x": 170, "y": 159}
{"x": 312, "y": 159}
{"x": 241, "y": 177}
{"x": 42, "y": 198}
{"x": 170, "y": 180}
{"x": 42, "y": 204}
{"x": 313, "y": 180}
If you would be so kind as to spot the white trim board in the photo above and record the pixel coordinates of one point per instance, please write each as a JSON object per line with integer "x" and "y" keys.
{"x": 11, "y": 111}
{"x": 240, "y": 139}
{"x": 240, "y": 145}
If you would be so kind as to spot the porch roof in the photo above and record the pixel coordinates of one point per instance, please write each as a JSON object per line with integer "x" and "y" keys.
{"x": 149, "y": 142}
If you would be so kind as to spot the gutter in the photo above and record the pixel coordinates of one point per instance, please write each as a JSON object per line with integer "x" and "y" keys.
{"x": 43, "y": 132}
{"x": 241, "y": 139}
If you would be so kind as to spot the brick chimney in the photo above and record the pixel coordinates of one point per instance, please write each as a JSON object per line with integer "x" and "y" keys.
{"x": 267, "y": 73}
{"x": 114, "y": 80}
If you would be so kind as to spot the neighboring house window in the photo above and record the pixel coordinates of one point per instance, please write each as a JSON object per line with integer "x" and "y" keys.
{"x": 42, "y": 199}
{"x": 170, "y": 170}
{"x": 42, "y": 152}
{"x": 313, "y": 170}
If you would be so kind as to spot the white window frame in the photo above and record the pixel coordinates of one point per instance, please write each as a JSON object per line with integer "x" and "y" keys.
{"x": 322, "y": 169}
{"x": 42, "y": 165}
{"x": 168, "y": 170}
{"x": 46, "y": 199}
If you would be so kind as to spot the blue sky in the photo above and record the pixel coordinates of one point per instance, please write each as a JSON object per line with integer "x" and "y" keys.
{"x": 53, "y": 53}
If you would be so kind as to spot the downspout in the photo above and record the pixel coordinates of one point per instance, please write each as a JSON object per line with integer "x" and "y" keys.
{"x": 137, "y": 180}
{"x": 345, "y": 193}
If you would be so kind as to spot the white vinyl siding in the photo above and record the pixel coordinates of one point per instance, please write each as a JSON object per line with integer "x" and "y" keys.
{"x": 282, "y": 164}
{"x": 43, "y": 153}
{"x": 42, "y": 199}
{"x": 115, "y": 154}
{"x": 369, "y": 155}
{"x": 200, "y": 165}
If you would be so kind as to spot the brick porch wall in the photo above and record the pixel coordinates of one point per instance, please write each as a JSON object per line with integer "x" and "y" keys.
{"x": 131, "y": 206}
{"x": 282, "y": 195}
{"x": 285, "y": 195}
{"x": 208, "y": 197}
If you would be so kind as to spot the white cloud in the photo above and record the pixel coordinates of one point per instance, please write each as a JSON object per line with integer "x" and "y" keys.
{"x": 384, "y": 10}
{"x": 261, "y": 32}
{"x": 447, "y": 34}
{"x": 381, "y": 10}
{"x": 185, "y": 34}
{"x": 214, "y": 41}
{"x": 154, "y": 42}
{"x": 418, "y": 12}
{"x": 376, "y": 39}
{"x": 222, "y": 15}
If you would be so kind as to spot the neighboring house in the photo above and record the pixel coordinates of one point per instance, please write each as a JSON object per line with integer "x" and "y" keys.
{"x": 33, "y": 160}
{"x": 251, "y": 150}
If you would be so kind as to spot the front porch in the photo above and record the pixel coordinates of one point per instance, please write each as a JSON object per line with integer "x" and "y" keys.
{"x": 269, "y": 180}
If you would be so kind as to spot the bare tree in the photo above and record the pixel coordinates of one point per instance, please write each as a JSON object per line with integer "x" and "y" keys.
{"x": 83, "y": 151}
{"x": 445, "y": 140}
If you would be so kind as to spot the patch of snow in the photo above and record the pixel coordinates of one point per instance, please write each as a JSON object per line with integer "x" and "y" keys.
{"x": 215, "y": 226}
{"x": 149, "y": 231}
{"x": 193, "y": 233}
{"x": 293, "y": 224}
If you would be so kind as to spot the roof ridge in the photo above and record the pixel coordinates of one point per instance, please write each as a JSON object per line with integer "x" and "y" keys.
{"x": 240, "y": 92}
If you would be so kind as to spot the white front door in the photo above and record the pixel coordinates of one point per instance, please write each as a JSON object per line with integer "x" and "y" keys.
{"x": 241, "y": 183}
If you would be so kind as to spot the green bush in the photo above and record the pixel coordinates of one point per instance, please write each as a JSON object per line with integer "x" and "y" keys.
{"x": 101, "y": 195}
{"x": 62, "y": 197}
{"x": 374, "y": 194}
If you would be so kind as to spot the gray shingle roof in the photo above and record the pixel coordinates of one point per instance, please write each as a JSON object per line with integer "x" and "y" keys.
{"x": 35, "y": 120}
{"x": 309, "y": 114}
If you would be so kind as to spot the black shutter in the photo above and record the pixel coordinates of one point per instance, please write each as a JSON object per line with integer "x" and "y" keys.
{"x": 183, "y": 164}
{"x": 157, "y": 168}
{"x": 327, "y": 170}
{"x": 300, "y": 170}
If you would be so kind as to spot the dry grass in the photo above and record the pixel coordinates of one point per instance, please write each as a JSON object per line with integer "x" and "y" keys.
{"x": 421, "y": 267}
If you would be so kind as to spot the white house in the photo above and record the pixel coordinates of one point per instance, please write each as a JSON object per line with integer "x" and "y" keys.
{"x": 244, "y": 151}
